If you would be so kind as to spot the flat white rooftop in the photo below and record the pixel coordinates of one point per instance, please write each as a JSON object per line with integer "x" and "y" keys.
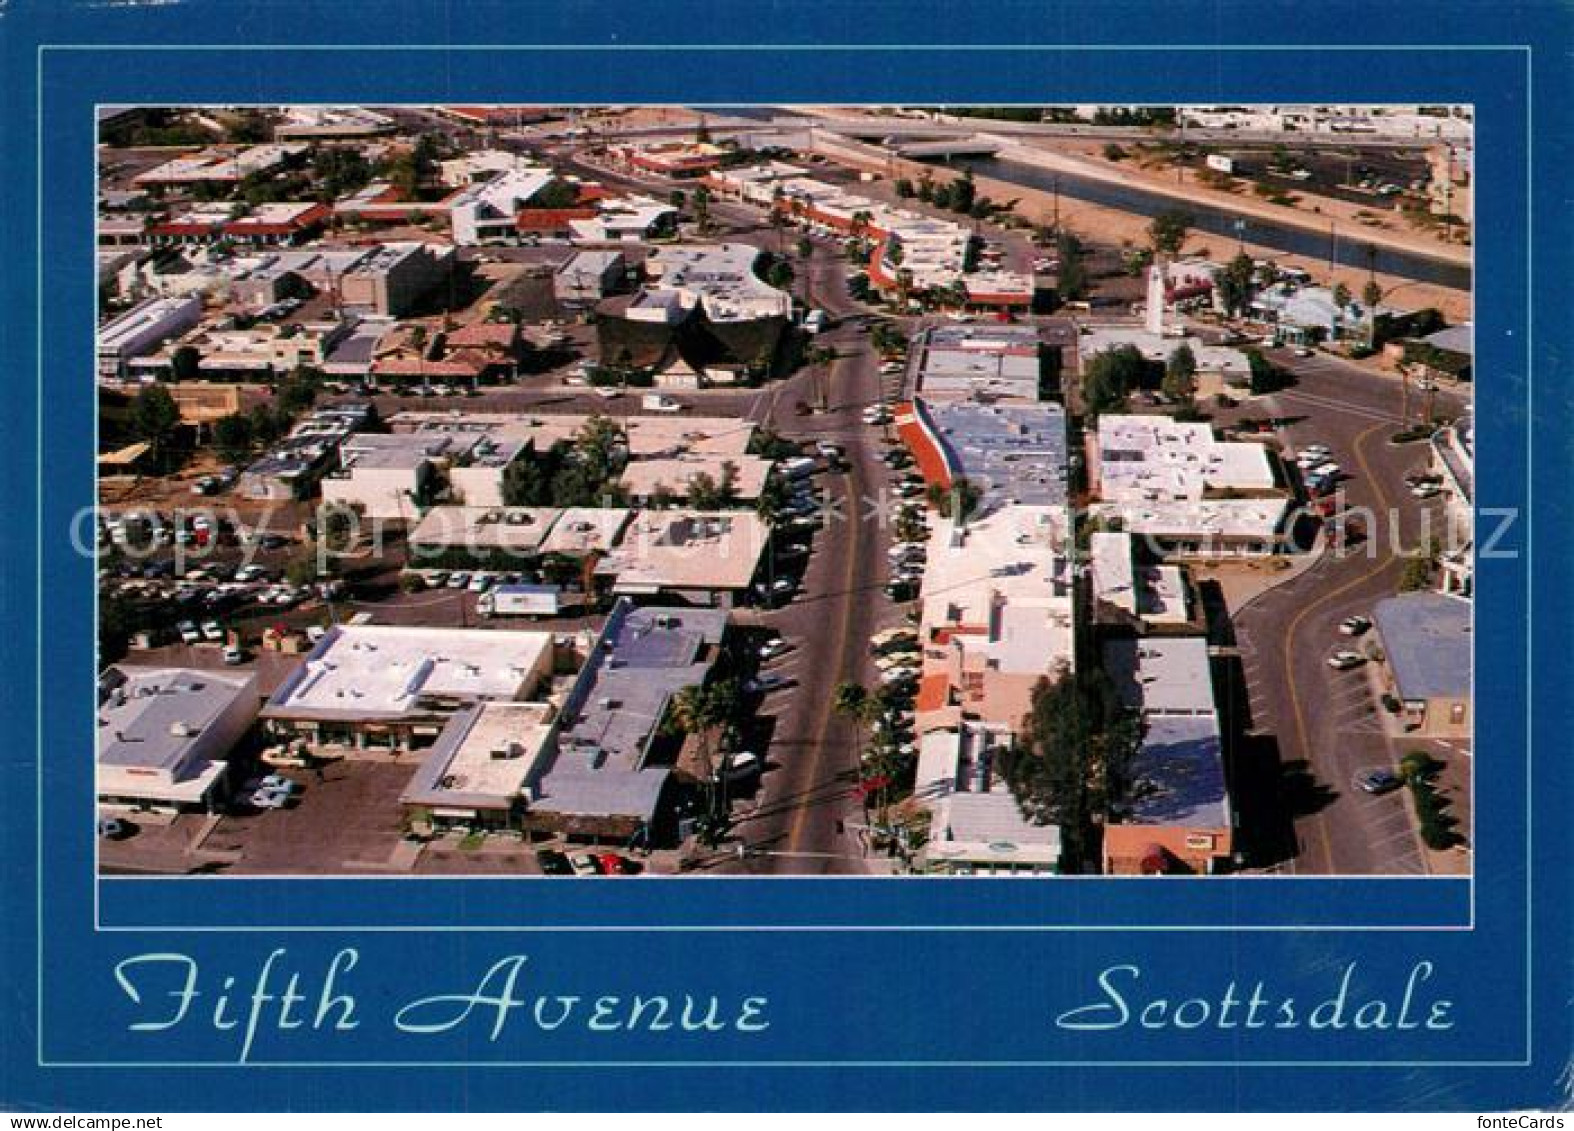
{"x": 484, "y": 757}
{"x": 520, "y": 529}
{"x": 1213, "y": 519}
{"x": 583, "y": 530}
{"x": 383, "y": 671}
{"x": 150, "y": 718}
{"x": 1154, "y": 458}
{"x": 642, "y": 478}
{"x": 685, "y": 549}
{"x": 1005, "y": 580}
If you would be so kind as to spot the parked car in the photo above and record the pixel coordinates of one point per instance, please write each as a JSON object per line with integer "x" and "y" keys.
{"x": 1345, "y": 660}
{"x": 765, "y": 683}
{"x": 584, "y": 864}
{"x": 742, "y": 765}
{"x": 269, "y": 799}
{"x": 774, "y": 647}
{"x": 553, "y": 863}
{"x": 113, "y": 828}
{"x": 213, "y": 632}
{"x": 1377, "y": 780}
{"x": 780, "y": 589}
{"x": 1354, "y": 626}
{"x": 611, "y": 864}
{"x": 189, "y": 633}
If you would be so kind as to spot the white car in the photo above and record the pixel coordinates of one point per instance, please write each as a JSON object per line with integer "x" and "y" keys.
{"x": 742, "y": 765}
{"x": 1344, "y": 661}
{"x": 213, "y": 632}
{"x": 773, "y": 648}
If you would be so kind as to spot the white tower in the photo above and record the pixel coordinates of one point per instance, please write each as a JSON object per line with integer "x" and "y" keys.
{"x": 1155, "y": 308}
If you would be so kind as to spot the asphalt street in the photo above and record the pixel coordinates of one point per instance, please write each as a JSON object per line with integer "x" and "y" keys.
{"x": 1325, "y": 724}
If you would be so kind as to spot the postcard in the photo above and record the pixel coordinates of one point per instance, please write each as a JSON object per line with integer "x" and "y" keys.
{"x": 998, "y": 560}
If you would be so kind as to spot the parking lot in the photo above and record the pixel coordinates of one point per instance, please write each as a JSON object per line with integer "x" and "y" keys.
{"x": 1311, "y": 728}
{"x": 347, "y": 820}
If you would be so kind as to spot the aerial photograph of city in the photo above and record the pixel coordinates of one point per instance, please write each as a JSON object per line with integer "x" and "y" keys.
{"x": 934, "y": 492}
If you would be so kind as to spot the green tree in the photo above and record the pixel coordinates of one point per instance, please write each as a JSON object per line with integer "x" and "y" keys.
{"x": 1180, "y": 374}
{"x": 774, "y": 496}
{"x": 699, "y": 712}
{"x": 557, "y": 193}
{"x": 701, "y": 202}
{"x": 1416, "y": 575}
{"x": 185, "y": 364}
{"x": 1341, "y": 297}
{"x": 1371, "y": 295}
{"x": 780, "y": 275}
{"x": 303, "y": 567}
{"x": 1266, "y": 376}
{"x": 297, "y": 391}
{"x": 1071, "y": 282}
{"x": 1235, "y": 284}
{"x": 903, "y": 187}
{"x": 704, "y": 491}
{"x": 1072, "y": 764}
{"x": 1169, "y": 229}
{"x": 958, "y": 502}
{"x": 233, "y": 437}
{"x": 155, "y": 418}
{"x": 1109, "y": 377}
{"x": 963, "y": 192}
{"x": 805, "y": 247}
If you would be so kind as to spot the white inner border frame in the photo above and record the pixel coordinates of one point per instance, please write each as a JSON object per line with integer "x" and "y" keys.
{"x": 1526, "y": 50}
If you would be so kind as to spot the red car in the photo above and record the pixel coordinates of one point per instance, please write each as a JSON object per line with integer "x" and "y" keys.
{"x": 611, "y": 864}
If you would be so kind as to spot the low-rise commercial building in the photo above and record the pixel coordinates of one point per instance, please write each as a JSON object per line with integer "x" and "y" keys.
{"x": 610, "y": 775}
{"x": 740, "y": 479}
{"x": 1013, "y": 454}
{"x": 979, "y": 363}
{"x": 976, "y": 826}
{"x": 485, "y": 211}
{"x": 700, "y": 557}
{"x": 393, "y": 476}
{"x": 677, "y": 160}
{"x": 480, "y": 537}
{"x": 718, "y": 279}
{"x": 141, "y": 330}
{"x": 624, "y": 219}
{"x": 218, "y": 165}
{"x": 393, "y": 688}
{"x": 165, "y": 736}
{"x": 1428, "y": 643}
{"x": 588, "y": 277}
{"x": 996, "y": 615}
{"x": 1128, "y": 593}
{"x": 484, "y": 768}
{"x": 332, "y": 123}
{"x": 1175, "y": 815}
{"x": 1185, "y": 491}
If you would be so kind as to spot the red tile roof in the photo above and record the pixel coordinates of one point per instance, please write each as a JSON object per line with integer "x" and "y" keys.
{"x": 930, "y": 459}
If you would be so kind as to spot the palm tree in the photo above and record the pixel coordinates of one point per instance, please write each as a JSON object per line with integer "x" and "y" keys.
{"x": 697, "y": 712}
